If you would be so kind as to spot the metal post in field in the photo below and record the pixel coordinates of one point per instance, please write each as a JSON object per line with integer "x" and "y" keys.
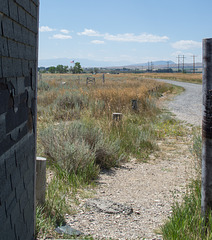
{"x": 103, "y": 78}
{"x": 206, "y": 190}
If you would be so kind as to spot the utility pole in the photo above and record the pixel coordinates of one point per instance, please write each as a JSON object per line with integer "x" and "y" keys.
{"x": 152, "y": 66}
{"x": 183, "y": 57}
{"x": 167, "y": 66}
{"x": 194, "y": 63}
{"x": 178, "y": 64}
{"x": 206, "y": 190}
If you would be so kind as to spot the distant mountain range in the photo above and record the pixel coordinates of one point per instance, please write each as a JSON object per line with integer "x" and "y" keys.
{"x": 121, "y": 64}
{"x": 84, "y": 62}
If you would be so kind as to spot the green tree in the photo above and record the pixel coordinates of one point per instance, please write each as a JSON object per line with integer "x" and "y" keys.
{"x": 77, "y": 68}
{"x": 61, "y": 69}
{"x": 52, "y": 69}
{"x": 96, "y": 70}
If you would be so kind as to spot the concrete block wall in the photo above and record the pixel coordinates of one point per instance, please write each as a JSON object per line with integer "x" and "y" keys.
{"x": 18, "y": 67}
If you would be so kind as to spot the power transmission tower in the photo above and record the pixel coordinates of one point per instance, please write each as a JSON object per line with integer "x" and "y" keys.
{"x": 179, "y": 57}
{"x": 183, "y": 57}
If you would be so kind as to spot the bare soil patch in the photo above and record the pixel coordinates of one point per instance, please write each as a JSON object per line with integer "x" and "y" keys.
{"x": 148, "y": 188}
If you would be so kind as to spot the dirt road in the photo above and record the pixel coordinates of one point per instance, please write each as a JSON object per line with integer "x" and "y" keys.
{"x": 188, "y": 105}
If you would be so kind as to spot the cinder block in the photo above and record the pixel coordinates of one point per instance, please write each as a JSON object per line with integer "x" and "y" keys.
{"x": 7, "y": 28}
{"x": 4, "y": 7}
{"x": 29, "y": 20}
{"x": 13, "y": 49}
{"x": 25, "y": 68}
{"x": 13, "y": 10}
{"x": 3, "y": 216}
{"x": 6, "y": 144}
{"x": 23, "y": 201}
{"x": 33, "y": 9}
{"x": 11, "y": 204}
{"x": 21, "y": 15}
{"x": 17, "y": 32}
{"x": 7, "y": 67}
{"x": 2, "y": 125}
{"x": 32, "y": 39}
{"x": 10, "y": 164}
{"x": 13, "y": 120}
{"x": 21, "y": 228}
{"x": 36, "y": 2}
{"x": 6, "y": 231}
{"x": 35, "y": 25}
{"x": 1, "y": 75}
{"x": 19, "y": 191}
{"x": 21, "y": 49}
{"x": 17, "y": 67}
{"x": 3, "y": 174}
{"x": 25, "y": 36}
{"x": 25, "y": 4}
{"x": 4, "y": 98}
{"x": 3, "y": 47}
{"x": 27, "y": 81}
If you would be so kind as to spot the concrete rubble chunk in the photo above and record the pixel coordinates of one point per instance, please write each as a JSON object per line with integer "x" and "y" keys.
{"x": 68, "y": 230}
{"x": 107, "y": 206}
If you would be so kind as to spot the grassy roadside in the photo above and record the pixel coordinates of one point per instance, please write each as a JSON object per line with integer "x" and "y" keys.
{"x": 182, "y": 77}
{"x": 186, "y": 221}
{"x": 77, "y": 134}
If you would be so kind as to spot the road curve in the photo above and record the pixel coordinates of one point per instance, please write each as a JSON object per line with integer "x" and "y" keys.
{"x": 188, "y": 105}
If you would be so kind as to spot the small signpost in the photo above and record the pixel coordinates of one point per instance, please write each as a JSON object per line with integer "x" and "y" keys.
{"x": 206, "y": 190}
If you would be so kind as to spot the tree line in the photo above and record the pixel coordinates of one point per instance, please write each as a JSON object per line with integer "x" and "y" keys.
{"x": 63, "y": 69}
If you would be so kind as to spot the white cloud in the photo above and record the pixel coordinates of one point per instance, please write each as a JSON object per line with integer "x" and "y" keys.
{"x": 186, "y": 44}
{"x": 131, "y": 37}
{"x": 97, "y": 42}
{"x": 126, "y": 37}
{"x": 46, "y": 29}
{"x": 64, "y": 31}
{"x": 90, "y": 33}
{"x": 61, "y": 36}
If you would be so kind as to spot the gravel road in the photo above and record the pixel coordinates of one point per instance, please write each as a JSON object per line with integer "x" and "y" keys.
{"x": 188, "y": 105}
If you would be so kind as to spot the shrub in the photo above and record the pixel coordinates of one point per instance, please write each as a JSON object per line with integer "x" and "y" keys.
{"x": 43, "y": 86}
{"x": 79, "y": 148}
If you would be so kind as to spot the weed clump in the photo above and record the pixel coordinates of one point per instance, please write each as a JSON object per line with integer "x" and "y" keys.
{"x": 80, "y": 148}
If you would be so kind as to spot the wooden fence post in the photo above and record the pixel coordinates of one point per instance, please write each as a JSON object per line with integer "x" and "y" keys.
{"x": 40, "y": 180}
{"x": 206, "y": 190}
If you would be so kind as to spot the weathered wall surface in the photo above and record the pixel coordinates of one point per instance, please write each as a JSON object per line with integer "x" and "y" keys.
{"x": 18, "y": 66}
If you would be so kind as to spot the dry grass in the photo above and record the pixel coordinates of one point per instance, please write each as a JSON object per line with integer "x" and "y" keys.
{"x": 190, "y": 77}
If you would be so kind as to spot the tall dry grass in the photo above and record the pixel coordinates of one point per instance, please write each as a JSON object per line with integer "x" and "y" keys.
{"x": 185, "y": 77}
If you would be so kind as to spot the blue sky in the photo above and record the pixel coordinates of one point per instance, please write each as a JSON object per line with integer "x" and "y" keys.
{"x": 116, "y": 31}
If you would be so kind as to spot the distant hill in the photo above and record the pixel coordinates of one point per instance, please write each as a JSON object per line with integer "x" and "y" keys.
{"x": 84, "y": 62}
{"x": 115, "y": 65}
{"x": 155, "y": 63}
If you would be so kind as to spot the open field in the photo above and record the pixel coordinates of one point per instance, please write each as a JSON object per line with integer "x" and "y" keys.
{"x": 183, "y": 77}
{"x": 78, "y": 135}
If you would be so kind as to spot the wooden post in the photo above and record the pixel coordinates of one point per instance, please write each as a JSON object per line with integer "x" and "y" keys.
{"x": 40, "y": 180}
{"x": 134, "y": 105}
{"x": 103, "y": 78}
{"x": 206, "y": 190}
{"x": 117, "y": 116}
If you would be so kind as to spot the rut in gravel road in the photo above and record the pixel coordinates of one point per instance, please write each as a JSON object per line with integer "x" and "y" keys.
{"x": 148, "y": 188}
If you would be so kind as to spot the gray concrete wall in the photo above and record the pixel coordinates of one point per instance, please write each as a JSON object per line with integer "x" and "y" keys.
{"x": 18, "y": 67}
